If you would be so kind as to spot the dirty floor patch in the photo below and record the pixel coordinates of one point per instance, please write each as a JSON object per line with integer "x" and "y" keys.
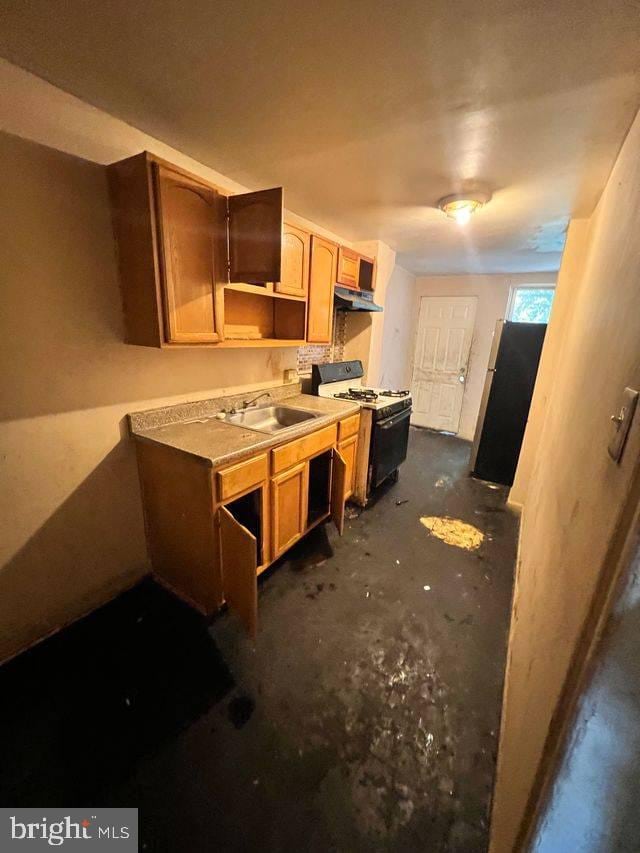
{"x": 454, "y": 531}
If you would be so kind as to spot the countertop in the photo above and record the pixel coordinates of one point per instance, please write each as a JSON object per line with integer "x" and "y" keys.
{"x": 218, "y": 443}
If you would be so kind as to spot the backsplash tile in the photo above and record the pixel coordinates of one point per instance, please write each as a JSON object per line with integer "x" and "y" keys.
{"x": 324, "y": 353}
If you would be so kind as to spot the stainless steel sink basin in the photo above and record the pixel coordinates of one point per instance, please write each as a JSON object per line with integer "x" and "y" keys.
{"x": 269, "y": 418}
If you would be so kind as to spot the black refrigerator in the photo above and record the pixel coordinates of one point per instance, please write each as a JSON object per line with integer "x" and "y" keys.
{"x": 511, "y": 375}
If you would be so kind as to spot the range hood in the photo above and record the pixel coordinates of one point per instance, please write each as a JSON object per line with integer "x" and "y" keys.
{"x": 354, "y": 300}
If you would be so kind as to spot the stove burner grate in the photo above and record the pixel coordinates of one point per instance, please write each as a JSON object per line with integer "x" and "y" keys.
{"x": 394, "y": 393}
{"x": 363, "y": 395}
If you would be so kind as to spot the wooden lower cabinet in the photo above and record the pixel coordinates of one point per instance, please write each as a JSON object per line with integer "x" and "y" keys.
{"x": 210, "y": 534}
{"x": 289, "y": 494}
{"x": 239, "y": 558}
{"x": 348, "y": 449}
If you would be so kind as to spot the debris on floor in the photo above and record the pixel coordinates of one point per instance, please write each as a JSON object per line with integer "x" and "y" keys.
{"x": 453, "y": 531}
{"x": 351, "y": 512}
{"x": 443, "y": 482}
{"x": 403, "y": 501}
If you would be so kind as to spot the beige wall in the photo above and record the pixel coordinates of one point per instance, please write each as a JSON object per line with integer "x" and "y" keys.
{"x": 397, "y": 344}
{"x": 72, "y": 532}
{"x": 34, "y": 109}
{"x": 576, "y": 494}
{"x": 569, "y": 279}
{"x": 493, "y": 294}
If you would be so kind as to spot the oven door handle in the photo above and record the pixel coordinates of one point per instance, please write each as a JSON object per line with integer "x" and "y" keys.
{"x": 394, "y": 419}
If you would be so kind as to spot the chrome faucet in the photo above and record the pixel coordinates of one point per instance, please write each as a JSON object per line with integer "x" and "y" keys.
{"x": 252, "y": 402}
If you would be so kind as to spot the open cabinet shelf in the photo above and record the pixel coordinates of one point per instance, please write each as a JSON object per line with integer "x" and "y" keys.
{"x": 266, "y": 290}
{"x": 250, "y": 317}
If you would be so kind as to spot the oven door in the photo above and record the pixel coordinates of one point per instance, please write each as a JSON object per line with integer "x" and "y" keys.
{"x": 389, "y": 445}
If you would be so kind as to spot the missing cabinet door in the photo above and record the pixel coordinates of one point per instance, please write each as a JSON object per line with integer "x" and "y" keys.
{"x": 319, "y": 487}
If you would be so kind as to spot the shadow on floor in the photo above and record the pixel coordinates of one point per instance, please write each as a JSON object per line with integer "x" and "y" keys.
{"x": 81, "y": 709}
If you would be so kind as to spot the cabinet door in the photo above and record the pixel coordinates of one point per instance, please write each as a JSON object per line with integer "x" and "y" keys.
{"x": 288, "y": 507}
{"x": 255, "y": 236}
{"x": 338, "y": 485}
{"x": 190, "y": 221}
{"x": 348, "y": 267}
{"x": 348, "y": 449}
{"x": 324, "y": 265}
{"x": 296, "y": 245}
{"x": 239, "y": 561}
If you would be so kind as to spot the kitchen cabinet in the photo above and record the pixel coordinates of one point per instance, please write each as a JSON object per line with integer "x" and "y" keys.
{"x": 323, "y": 274}
{"x": 348, "y": 449}
{"x": 238, "y": 554}
{"x": 255, "y": 236}
{"x": 210, "y": 533}
{"x": 188, "y": 216}
{"x": 348, "y": 267}
{"x": 348, "y": 446}
{"x": 197, "y": 267}
{"x": 296, "y": 250}
{"x": 289, "y": 507}
{"x": 338, "y": 490}
{"x": 355, "y": 270}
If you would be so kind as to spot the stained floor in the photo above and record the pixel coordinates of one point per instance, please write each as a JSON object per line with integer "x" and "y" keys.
{"x": 364, "y": 719}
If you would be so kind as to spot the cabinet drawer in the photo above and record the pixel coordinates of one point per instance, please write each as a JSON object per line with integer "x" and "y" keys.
{"x": 349, "y": 426}
{"x": 242, "y": 476}
{"x": 296, "y": 451}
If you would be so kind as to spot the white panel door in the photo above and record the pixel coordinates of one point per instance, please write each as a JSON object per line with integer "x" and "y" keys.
{"x": 443, "y": 342}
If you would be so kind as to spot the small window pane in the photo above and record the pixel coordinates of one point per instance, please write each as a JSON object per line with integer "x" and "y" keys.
{"x": 531, "y": 304}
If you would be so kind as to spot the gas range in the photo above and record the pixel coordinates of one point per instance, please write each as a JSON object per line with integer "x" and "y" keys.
{"x": 383, "y": 436}
{"x": 343, "y": 380}
{"x": 384, "y": 401}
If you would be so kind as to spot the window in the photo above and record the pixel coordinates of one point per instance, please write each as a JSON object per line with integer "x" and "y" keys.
{"x": 530, "y": 304}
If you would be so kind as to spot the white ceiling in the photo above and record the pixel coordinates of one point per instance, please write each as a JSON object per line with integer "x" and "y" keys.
{"x": 368, "y": 111}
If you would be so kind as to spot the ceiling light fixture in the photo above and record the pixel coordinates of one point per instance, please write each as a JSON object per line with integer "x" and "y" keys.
{"x": 460, "y": 206}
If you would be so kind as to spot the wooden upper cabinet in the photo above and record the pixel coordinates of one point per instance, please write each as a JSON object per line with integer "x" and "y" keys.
{"x": 189, "y": 221}
{"x": 194, "y": 262}
{"x": 255, "y": 236}
{"x": 324, "y": 265}
{"x": 296, "y": 246}
{"x": 348, "y": 267}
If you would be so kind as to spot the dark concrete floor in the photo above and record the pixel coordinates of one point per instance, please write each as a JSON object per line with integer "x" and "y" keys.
{"x": 364, "y": 719}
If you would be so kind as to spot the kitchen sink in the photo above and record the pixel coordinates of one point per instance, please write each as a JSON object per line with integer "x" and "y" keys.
{"x": 269, "y": 418}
